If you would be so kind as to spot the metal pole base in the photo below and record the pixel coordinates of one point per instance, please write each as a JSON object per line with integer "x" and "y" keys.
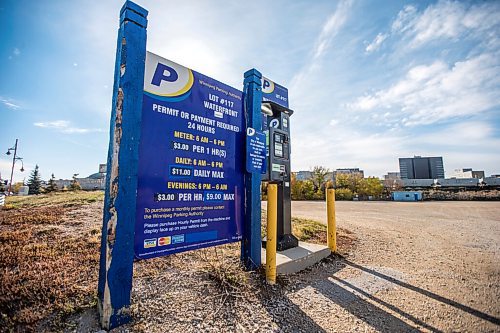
{"x": 285, "y": 242}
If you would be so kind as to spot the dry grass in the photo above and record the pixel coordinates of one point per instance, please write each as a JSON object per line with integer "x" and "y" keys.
{"x": 45, "y": 275}
{"x": 315, "y": 232}
{"x": 64, "y": 199}
{"x": 49, "y": 260}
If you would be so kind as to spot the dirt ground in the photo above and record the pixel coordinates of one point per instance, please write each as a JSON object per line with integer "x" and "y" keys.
{"x": 434, "y": 266}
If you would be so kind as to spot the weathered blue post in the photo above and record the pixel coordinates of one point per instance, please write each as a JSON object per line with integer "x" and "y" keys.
{"x": 252, "y": 242}
{"x": 117, "y": 244}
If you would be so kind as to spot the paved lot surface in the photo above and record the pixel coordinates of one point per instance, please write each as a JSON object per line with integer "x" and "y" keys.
{"x": 431, "y": 266}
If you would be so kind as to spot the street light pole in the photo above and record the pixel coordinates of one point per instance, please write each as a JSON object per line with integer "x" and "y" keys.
{"x": 12, "y": 170}
{"x": 14, "y": 159}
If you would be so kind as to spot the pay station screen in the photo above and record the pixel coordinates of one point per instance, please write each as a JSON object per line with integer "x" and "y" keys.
{"x": 278, "y": 144}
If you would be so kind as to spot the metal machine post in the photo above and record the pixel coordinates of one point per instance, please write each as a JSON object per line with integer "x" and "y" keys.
{"x": 277, "y": 119}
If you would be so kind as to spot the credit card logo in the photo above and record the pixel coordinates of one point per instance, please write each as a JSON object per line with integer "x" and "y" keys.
{"x": 148, "y": 243}
{"x": 163, "y": 241}
{"x": 176, "y": 239}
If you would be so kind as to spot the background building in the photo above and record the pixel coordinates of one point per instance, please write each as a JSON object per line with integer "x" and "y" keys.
{"x": 96, "y": 181}
{"x": 467, "y": 173}
{"x": 421, "y": 167}
{"x": 349, "y": 171}
{"x": 392, "y": 176}
{"x": 303, "y": 175}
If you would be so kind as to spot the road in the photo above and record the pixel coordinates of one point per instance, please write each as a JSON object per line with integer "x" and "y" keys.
{"x": 431, "y": 266}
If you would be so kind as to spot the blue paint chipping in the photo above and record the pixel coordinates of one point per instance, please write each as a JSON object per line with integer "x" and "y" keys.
{"x": 251, "y": 243}
{"x": 131, "y": 53}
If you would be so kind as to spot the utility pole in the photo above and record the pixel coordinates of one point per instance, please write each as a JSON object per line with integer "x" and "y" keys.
{"x": 14, "y": 159}
{"x": 12, "y": 170}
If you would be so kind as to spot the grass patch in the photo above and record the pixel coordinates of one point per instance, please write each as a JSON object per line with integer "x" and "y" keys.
{"x": 66, "y": 199}
{"x": 312, "y": 231}
{"x": 46, "y": 275}
{"x": 309, "y": 230}
{"x": 304, "y": 229}
{"x": 222, "y": 265}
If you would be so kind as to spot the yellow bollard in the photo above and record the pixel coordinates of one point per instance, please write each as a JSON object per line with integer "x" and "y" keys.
{"x": 331, "y": 228}
{"x": 272, "y": 231}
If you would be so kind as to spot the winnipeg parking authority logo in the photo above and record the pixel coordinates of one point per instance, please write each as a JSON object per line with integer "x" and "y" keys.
{"x": 166, "y": 80}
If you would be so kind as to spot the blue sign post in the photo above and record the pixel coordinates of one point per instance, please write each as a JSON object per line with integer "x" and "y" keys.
{"x": 251, "y": 245}
{"x": 117, "y": 246}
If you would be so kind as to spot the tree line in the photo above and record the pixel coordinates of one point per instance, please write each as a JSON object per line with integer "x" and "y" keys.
{"x": 347, "y": 186}
{"x": 35, "y": 184}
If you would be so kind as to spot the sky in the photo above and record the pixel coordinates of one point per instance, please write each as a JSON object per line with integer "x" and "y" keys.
{"x": 369, "y": 81}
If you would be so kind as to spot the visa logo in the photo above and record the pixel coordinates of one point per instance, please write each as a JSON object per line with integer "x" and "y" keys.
{"x": 148, "y": 243}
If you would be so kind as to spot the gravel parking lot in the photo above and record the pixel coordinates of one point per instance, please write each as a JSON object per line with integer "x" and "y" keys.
{"x": 431, "y": 266}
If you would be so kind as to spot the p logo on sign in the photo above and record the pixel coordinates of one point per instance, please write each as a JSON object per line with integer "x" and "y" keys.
{"x": 267, "y": 86}
{"x": 275, "y": 123}
{"x": 250, "y": 131}
{"x": 165, "y": 78}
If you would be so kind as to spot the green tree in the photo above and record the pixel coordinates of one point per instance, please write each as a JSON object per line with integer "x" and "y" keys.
{"x": 35, "y": 182}
{"x": 319, "y": 195}
{"x": 16, "y": 187}
{"x": 296, "y": 189}
{"x": 343, "y": 194}
{"x": 302, "y": 190}
{"x": 342, "y": 181}
{"x": 318, "y": 177}
{"x": 352, "y": 181}
{"x": 372, "y": 186}
{"x": 308, "y": 190}
{"x": 52, "y": 186}
{"x": 74, "y": 185}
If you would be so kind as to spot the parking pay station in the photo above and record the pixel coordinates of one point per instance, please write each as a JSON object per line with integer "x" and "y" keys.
{"x": 276, "y": 125}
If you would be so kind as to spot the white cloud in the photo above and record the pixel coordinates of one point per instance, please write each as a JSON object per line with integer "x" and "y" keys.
{"x": 447, "y": 20}
{"x": 64, "y": 126}
{"x": 475, "y": 133}
{"x": 465, "y": 144}
{"x": 11, "y": 104}
{"x": 376, "y": 43}
{"x": 405, "y": 16}
{"x": 435, "y": 92}
{"x": 331, "y": 27}
{"x": 15, "y": 53}
{"x": 329, "y": 30}
{"x": 347, "y": 147}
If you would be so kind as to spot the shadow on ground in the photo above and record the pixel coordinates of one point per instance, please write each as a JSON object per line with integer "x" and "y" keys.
{"x": 375, "y": 312}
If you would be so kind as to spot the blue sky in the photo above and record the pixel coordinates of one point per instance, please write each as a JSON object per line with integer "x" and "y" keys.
{"x": 369, "y": 81}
